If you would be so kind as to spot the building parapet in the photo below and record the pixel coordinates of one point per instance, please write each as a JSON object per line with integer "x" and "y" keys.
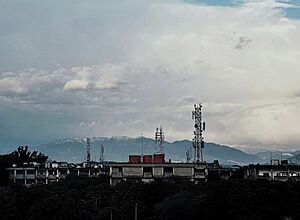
{"x": 48, "y": 173}
{"x": 282, "y": 172}
{"x": 148, "y": 172}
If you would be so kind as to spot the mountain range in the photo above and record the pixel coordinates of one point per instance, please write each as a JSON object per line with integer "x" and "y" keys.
{"x": 118, "y": 148}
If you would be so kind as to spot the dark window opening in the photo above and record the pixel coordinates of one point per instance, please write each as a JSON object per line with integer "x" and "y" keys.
{"x": 147, "y": 169}
{"x": 168, "y": 169}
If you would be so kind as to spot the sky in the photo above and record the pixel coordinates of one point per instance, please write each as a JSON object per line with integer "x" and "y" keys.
{"x": 72, "y": 68}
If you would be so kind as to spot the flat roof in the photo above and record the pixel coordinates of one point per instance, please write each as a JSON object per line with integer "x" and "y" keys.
{"x": 122, "y": 164}
{"x": 268, "y": 166}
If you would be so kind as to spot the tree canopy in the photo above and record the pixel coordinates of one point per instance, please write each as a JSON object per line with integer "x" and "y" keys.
{"x": 19, "y": 157}
{"x": 95, "y": 199}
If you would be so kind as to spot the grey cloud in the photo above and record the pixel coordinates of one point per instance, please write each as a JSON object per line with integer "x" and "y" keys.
{"x": 297, "y": 94}
{"x": 243, "y": 42}
{"x": 43, "y": 87}
{"x": 83, "y": 84}
{"x": 187, "y": 98}
{"x": 119, "y": 68}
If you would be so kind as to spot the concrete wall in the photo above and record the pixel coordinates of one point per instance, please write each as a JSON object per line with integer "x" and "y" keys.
{"x": 149, "y": 172}
{"x": 158, "y": 171}
{"x": 132, "y": 171}
{"x": 183, "y": 171}
{"x": 274, "y": 173}
{"x": 35, "y": 175}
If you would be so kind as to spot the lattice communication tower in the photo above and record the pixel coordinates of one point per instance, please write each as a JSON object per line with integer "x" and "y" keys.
{"x": 88, "y": 150}
{"x": 159, "y": 140}
{"x": 199, "y": 127}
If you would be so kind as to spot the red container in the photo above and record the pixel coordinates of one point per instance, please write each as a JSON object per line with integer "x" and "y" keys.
{"x": 134, "y": 159}
{"x": 158, "y": 158}
{"x": 147, "y": 159}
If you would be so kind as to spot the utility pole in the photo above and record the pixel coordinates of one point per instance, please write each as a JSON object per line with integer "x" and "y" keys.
{"x": 135, "y": 211}
{"x": 188, "y": 156}
{"x": 142, "y": 137}
{"x": 101, "y": 153}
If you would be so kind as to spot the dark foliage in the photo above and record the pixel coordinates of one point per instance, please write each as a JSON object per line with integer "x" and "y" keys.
{"x": 95, "y": 199}
{"x": 19, "y": 157}
{"x": 23, "y": 155}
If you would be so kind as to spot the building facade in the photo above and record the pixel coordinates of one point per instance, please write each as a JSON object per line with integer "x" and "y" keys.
{"x": 148, "y": 172}
{"x": 52, "y": 172}
{"x": 279, "y": 171}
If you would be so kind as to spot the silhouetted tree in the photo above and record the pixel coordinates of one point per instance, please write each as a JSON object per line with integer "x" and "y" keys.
{"x": 20, "y": 156}
{"x": 23, "y": 155}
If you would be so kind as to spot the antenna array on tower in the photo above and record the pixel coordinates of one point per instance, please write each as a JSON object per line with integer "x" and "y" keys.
{"x": 159, "y": 140}
{"x": 199, "y": 127}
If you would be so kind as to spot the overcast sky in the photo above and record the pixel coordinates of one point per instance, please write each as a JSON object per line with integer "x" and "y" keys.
{"x": 102, "y": 68}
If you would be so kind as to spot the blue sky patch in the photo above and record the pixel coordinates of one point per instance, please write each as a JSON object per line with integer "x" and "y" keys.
{"x": 293, "y": 12}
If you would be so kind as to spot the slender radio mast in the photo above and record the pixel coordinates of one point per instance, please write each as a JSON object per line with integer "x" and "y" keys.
{"x": 88, "y": 150}
{"x": 188, "y": 156}
{"x": 101, "y": 153}
{"x": 199, "y": 127}
{"x": 142, "y": 138}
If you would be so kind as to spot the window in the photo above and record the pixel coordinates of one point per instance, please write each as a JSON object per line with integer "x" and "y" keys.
{"x": 168, "y": 169}
{"x": 30, "y": 172}
{"x": 117, "y": 169}
{"x": 147, "y": 169}
{"x": 19, "y": 172}
{"x": 51, "y": 172}
{"x": 266, "y": 175}
{"x": 41, "y": 173}
{"x": 63, "y": 172}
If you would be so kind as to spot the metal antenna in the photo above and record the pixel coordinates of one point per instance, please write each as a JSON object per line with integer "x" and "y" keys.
{"x": 271, "y": 157}
{"x": 188, "y": 156}
{"x": 191, "y": 151}
{"x": 88, "y": 150}
{"x": 199, "y": 127}
{"x": 101, "y": 153}
{"x": 156, "y": 138}
{"x": 159, "y": 140}
{"x": 142, "y": 137}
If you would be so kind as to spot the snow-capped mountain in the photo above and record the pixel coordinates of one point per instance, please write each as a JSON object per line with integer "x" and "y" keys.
{"x": 118, "y": 148}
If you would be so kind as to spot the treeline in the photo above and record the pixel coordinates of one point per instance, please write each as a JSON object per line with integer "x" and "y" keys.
{"x": 95, "y": 199}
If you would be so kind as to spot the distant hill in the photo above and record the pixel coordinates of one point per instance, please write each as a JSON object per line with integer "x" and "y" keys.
{"x": 118, "y": 149}
{"x": 267, "y": 155}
